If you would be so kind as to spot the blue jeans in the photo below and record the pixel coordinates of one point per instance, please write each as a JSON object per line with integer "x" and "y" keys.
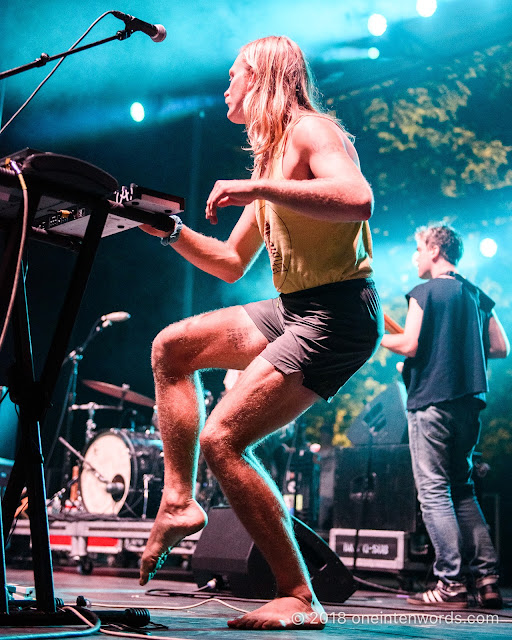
{"x": 442, "y": 439}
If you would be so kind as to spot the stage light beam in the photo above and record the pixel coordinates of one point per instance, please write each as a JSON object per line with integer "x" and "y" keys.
{"x": 488, "y": 248}
{"x": 373, "y": 53}
{"x": 426, "y": 8}
{"x": 377, "y": 24}
{"x": 137, "y": 112}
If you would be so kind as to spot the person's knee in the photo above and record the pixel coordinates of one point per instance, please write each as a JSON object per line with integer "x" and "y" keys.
{"x": 169, "y": 352}
{"x": 217, "y": 444}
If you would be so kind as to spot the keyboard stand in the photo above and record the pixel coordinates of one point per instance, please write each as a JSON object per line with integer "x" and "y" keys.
{"x": 33, "y": 397}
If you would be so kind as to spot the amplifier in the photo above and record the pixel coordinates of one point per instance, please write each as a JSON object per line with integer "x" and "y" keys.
{"x": 375, "y": 489}
{"x": 380, "y": 550}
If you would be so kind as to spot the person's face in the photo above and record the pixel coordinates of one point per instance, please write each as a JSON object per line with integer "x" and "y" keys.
{"x": 240, "y": 81}
{"x": 424, "y": 259}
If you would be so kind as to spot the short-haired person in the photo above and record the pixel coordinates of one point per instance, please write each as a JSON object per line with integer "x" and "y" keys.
{"x": 451, "y": 329}
{"x": 309, "y": 204}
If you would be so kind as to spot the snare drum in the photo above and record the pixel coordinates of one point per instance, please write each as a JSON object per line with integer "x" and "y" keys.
{"x": 123, "y": 474}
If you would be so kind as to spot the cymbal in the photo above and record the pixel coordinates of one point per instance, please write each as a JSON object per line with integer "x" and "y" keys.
{"x": 123, "y": 393}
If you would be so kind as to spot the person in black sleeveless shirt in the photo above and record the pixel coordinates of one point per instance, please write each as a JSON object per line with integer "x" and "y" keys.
{"x": 450, "y": 331}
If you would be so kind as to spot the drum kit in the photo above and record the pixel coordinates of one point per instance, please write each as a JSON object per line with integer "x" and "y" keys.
{"x": 121, "y": 470}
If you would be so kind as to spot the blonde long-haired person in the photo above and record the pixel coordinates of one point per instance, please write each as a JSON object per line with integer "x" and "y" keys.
{"x": 309, "y": 204}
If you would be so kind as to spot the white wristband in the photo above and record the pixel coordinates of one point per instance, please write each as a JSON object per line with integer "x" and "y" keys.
{"x": 171, "y": 239}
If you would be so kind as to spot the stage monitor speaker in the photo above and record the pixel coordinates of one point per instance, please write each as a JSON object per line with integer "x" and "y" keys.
{"x": 226, "y": 552}
{"x": 385, "y": 416}
{"x": 384, "y": 498}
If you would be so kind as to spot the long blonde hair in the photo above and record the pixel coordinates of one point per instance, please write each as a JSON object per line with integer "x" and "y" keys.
{"x": 282, "y": 82}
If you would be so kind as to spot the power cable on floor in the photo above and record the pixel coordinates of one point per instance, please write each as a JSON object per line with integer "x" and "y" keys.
{"x": 170, "y": 608}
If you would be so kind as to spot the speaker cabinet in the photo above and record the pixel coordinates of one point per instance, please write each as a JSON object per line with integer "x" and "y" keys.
{"x": 385, "y": 416}
{"x": 374, "y": 489}
{"x": 226, "y": 552}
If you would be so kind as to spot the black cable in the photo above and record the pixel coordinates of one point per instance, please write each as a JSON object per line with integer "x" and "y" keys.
{"x": 380, "y": 587}
{"x": 226, "y": 596}
{"x": 90, "y": 615}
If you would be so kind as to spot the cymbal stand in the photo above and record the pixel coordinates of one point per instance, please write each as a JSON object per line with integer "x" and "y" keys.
{"x": 90, "y": 425}
{"x": 146, "y": 479}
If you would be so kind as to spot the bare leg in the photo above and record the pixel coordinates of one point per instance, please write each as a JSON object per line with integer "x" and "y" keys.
{"x": 261, "y": 401}
{"x": 225, "y": 339}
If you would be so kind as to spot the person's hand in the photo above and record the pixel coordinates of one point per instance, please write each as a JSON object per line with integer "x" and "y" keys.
{"x": 227, "y": 193}
{"x": 152, "y": 231}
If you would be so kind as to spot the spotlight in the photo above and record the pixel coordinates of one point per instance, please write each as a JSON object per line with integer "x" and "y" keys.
{"x": 373, "y": 53}
{"x": 488, "y": 247}
{"x": 137, "y": 112}
{"x": 426, "y": 8}
{"x": 377, "y": 24}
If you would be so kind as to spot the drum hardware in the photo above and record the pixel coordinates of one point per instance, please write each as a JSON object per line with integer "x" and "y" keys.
{"x": 146, "y": 478}
{"x": 110, "y": 487}
{"x": 92, "y": 407}
{"x": 123, "y": 393}
{"x": 208, "y": 401}
{"x": 132, "y": 465}
{"x": 80, "y": 457}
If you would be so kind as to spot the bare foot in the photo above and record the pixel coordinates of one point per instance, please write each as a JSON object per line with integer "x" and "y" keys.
{"x": 172, "y": 524}
{"x": 283, "y": 613}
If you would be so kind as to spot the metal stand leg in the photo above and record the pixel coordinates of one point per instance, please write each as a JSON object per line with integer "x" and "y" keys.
{"x": 4, "y": 606}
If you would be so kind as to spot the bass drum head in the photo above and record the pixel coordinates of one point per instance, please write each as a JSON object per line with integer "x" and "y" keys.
{"x": 110, "y": 455}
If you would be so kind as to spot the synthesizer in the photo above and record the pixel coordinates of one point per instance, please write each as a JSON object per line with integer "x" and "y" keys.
{"x": 62, "y": 216}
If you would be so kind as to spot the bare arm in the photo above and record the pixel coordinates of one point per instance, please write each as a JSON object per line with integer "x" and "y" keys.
{"x": 499, "y": 346}
{"x": 326, "y": 182}
{"x": 227, "y": 260}
{"x": 406, "y": 343}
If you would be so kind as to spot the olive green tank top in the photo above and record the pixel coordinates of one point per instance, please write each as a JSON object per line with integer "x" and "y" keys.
{"x": 306, "y": 252}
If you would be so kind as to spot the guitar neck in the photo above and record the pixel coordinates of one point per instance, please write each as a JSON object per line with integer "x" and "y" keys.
{"x": 391, "y": 326}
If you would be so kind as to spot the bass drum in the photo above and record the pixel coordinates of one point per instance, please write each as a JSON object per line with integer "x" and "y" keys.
{"x": 123, "y": 474}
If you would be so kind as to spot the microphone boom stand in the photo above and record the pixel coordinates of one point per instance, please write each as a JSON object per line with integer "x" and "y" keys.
{"x": 75, "y": 357}
{"x": 45, "y": 58}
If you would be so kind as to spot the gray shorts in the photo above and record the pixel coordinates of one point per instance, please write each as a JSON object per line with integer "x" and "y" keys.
{"x": 327, "y": 332}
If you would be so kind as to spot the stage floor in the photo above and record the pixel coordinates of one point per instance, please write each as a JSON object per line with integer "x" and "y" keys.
{"x": 366, "y": 615}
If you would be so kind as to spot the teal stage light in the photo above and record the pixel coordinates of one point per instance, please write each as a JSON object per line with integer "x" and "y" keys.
{"x": 373, "y": 53}
{"x": 488, "y": 248}
{"x": 377, "y": 24}
{"x": 137, "y": 112}
{"x": 426, "y": 8}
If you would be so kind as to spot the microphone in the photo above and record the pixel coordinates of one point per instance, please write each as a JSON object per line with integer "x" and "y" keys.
{"x": 156, "y": 32}
{"x": 115, "y": 316}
